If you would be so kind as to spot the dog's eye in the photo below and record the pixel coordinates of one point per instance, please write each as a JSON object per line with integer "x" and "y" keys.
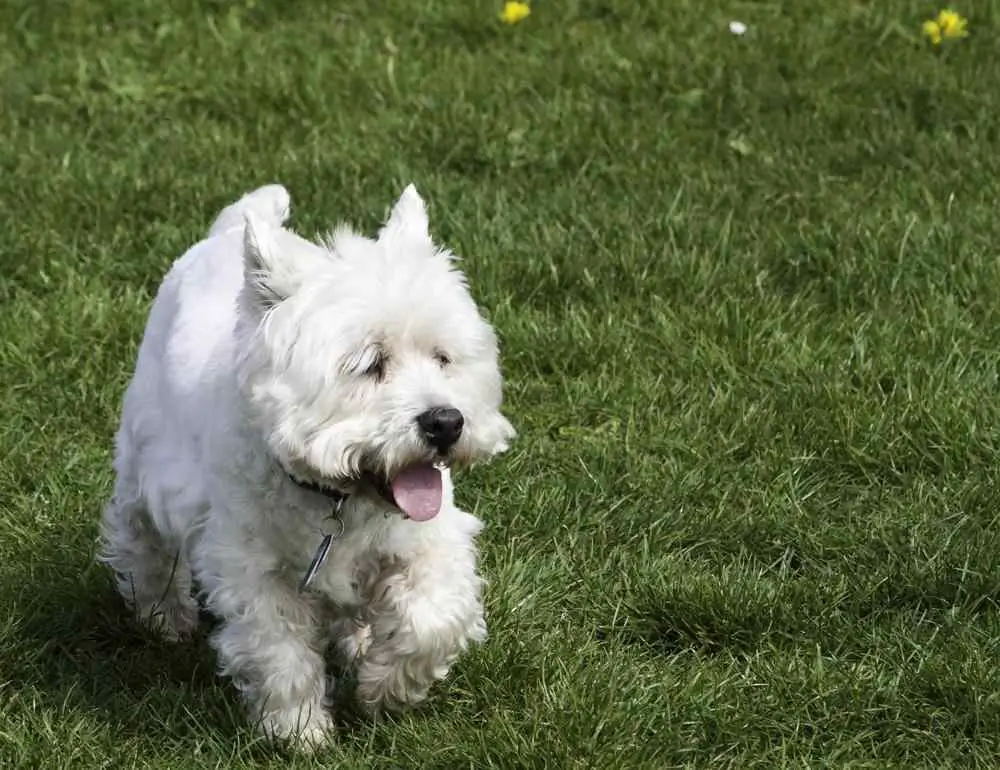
{"x": 442, "y": 358}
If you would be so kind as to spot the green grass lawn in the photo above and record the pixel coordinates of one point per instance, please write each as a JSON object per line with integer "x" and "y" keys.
{"x": 748, "y": 292}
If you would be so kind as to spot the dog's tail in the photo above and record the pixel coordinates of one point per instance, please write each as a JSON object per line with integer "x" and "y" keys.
{"x": 270, "y": 203}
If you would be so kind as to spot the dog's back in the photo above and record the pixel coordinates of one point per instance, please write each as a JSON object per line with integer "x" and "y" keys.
{"x": 185, "y": 359}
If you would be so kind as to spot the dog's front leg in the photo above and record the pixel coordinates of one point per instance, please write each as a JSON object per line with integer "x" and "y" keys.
{"x": 420, "y": 618}
{"x": 269, "y": 644}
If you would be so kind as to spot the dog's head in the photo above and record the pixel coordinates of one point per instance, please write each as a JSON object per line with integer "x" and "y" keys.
{"x": 366, "y": 363}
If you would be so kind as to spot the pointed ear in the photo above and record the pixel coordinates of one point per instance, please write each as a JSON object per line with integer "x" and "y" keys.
{"x": 408, "y": 217}
{"x": 260, "y": 268}
{"x": 276, "y": 263}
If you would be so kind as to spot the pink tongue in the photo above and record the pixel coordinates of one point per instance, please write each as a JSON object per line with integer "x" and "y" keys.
{"x": 417, "y": 491}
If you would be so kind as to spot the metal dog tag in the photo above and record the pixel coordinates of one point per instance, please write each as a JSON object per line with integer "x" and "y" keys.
{"x": 324, "y": 546}
{"x": 317, "y": 561}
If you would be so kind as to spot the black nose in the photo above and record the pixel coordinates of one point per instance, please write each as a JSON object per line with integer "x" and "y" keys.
{"x": 442, "y": 426}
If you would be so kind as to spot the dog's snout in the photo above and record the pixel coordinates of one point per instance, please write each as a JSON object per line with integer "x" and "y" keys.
{"x": 441, "y": 426}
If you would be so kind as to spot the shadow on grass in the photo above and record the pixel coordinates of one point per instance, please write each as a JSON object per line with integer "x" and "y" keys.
{"x": 74, "y": 643}
{"x": 670, "y": 628}
{"x": 77, "y": 649}
{"x": 816, "y": 611}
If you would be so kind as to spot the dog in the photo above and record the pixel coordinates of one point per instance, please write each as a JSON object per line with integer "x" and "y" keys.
{"x": 285, "y": 455}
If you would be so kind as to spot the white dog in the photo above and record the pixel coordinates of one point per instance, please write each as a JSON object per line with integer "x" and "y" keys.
{"x": 285, "y": 445}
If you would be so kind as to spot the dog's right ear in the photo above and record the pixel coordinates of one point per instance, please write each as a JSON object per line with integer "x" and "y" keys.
{"x": 276, "y": 262}
{"x": 261, "y": 269}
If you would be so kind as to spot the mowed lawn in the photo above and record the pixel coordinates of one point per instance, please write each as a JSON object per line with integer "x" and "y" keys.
{"x": 748, "y": 292}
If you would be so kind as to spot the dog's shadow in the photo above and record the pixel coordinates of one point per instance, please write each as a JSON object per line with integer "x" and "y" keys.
{"x": 73, "y": 643}
{"x": 74, "y": 647}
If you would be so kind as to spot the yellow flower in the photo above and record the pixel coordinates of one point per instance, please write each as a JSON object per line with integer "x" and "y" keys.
{"x": 932, "y": 31}
{"x": 952, "y": 24}
{"x": 949, "y": 24}
{"x": 512, "y": 13}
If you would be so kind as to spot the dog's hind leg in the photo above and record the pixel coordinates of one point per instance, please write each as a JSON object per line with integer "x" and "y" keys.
{"x": 152, "y": 573}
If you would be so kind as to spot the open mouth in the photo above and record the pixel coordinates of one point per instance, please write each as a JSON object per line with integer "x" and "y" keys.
{"x": 417, "y": 490}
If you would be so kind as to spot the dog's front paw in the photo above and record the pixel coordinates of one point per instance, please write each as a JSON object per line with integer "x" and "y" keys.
{"x": 172, "y": 621}
{"x": 352, "y": 638}
{"x": 392, "y": 684}
{"x": 305, "y": 732}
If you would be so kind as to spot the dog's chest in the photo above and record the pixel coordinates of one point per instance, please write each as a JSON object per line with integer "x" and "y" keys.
{"x": 339, "y": 558}
{"x": 337, "y": 578}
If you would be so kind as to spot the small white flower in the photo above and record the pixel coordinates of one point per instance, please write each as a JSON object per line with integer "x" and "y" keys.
{"x": 737, "y": 27}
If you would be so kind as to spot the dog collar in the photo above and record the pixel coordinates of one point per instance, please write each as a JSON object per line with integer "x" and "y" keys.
{"x": 334, "y": 495}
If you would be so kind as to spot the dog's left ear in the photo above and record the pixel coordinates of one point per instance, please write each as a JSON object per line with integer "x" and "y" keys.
{"x": 408, "y": 217}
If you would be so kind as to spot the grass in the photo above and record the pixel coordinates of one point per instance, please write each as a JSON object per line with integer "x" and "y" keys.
{"x": 749, "y": 298}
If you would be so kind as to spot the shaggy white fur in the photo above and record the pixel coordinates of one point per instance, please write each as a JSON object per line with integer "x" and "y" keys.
{"x": 288, "y": 390}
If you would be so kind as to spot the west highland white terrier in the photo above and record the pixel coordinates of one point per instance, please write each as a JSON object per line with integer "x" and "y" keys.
{"x": 285, "y": 448}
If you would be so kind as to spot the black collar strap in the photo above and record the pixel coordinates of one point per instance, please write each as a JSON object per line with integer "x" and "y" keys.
{"x": 332, "y": 494}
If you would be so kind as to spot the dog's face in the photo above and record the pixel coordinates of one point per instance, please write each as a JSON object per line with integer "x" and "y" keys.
{"x": 366, "y": 362}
